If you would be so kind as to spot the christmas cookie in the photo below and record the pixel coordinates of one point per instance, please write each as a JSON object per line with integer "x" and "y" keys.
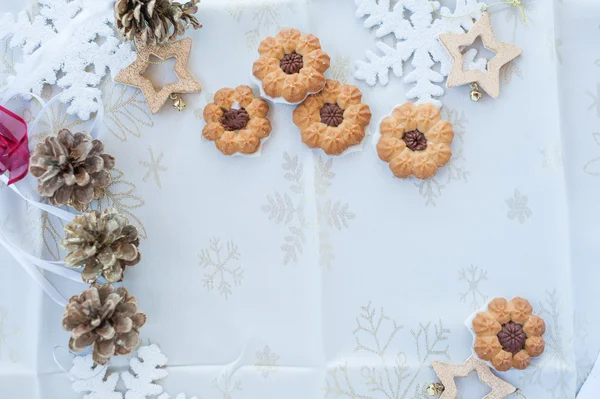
{"x": 333, "y": 119}
{"x": 236, "y": 121}
{"x": 508, "y": 334}
{"x": 415, "y": 141}
{"x": 291, "y": 66}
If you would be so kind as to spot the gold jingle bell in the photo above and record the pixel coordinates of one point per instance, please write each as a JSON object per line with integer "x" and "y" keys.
{"x": 178, "y": 102}
{"x": 434, "y": 389}
{"x": 475, "y": 93}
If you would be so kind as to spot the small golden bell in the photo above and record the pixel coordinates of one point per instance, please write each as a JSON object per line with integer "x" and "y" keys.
{"x": 475, "y": 93}
{"x": 178, "y": 102}
{"x": 435, "y": 389}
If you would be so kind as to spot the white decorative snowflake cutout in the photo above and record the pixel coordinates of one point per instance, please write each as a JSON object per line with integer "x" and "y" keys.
{"x": 92, "y": 380}
{"x": 141, "y": 382}
{"x": 76, "y": 41}
{"x": 416, "y": 29}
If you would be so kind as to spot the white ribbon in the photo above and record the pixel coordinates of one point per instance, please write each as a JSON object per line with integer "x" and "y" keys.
{"x": 34, "y": 272}
{"x": 60, "y": 213}
{"x": 33, "y": 265}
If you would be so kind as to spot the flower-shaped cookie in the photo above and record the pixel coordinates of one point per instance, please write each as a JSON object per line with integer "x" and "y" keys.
{"x": 291, "y": 65}
{"x": 508, "y": 334}
{"x": 236, "y": 121}
{"x": 333, "y": 119}
{"x": 415, "y": 141}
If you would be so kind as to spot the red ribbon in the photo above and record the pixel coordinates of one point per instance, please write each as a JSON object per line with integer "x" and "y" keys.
{"x": 14, "y": 146}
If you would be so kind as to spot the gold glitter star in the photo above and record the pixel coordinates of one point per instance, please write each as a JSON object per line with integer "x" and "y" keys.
{"x": 132, "y": 75}
{"x": 490, "y": 79}
{"x": 447, "y": 372}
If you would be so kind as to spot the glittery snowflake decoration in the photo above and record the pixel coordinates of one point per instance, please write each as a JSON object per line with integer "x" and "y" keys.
{"x": 416, "y": 29}
{"x": 140, "y": 381}
{"x": 68, "y": 43}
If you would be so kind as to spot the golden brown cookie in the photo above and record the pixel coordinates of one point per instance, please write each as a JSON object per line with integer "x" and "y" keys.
{"x": 521, "y": 310}
{"x": 236, "y": 121}
{"x": 485, "y": 325}
{"x": 534, "y": 326}
{"x": 291, "y": 65}
{"x": 521, "y": 360}
{"x": 333, "y": 119}
{"x": 535, "y": 346}
{"x": 516, "y": 330}
{"x": 425, "y": 135}
{"x": 503, "y": 361}
{"x": 487, "y": 347}
{"x": 500, "y": 308}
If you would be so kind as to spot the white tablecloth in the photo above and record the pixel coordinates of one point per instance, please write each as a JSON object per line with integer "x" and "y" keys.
{"x": 337, "y": 276}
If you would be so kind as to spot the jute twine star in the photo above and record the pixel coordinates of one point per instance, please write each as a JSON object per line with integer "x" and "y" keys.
{"x": 490, "y": 79}
{"x": 132, "y": 75}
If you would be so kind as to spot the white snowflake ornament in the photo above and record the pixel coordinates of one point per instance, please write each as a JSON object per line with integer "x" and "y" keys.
{"x": 416, "y": 29}
{"x": 68, "y": 43}
{"x": 91, "y": 379}
{"x": 141, "y": 382}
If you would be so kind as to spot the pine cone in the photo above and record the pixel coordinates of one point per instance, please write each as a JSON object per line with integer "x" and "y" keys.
{"x": 104, "y": 242}
{"x": 153, "y": 20}
{"x": 105, "y": 318}
{"x": 71, "y": 169}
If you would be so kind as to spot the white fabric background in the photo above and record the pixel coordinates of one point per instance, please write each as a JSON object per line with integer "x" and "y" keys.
{"x": 425, "y": 254}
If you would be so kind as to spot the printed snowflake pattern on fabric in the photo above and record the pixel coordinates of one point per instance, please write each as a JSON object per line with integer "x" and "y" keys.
{"x": 76, "y": 39}
{"x": 595, "y": 97}
{"x": 592, "y": 168}
{"x": 227, "y": 385}
{"x": 125, "y": 111}
{"x": 266, "y": 361}
{"x": 552, "y": 157}
{"x": 221, "y": 274}
{"x": 43, "y": 231}
{"x": 553, "y": 370}
{"x": 332, "y": 214}
{"x": 154, "y": 167}
{"x": 517, "y": 207}
{"x": 416, "y": 30}
{"x": 473, "y": 276}
{"x": 141, "y": 381}
{"x": 265, "y": 17}
{"x": 6, "y": 335}
{"x": 281, "y": 209}
{"x": 388, "y": 376}
{"x": 121, "y": 195}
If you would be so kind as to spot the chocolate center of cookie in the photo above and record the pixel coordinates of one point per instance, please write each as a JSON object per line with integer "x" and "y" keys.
{"x": 291, "y": 63}
{"x": 415, "y": 140}
{"x": 332, "y": 115}
{"x": 235, "y": 119}
{"x": 512, "y": 337}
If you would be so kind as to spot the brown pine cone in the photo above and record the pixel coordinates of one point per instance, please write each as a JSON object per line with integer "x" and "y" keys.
{"x": 104, "y": 242}
{"x": 71, "y": 169}
{"x": 105, "y": 318}
{"x": 153, "y": 20}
